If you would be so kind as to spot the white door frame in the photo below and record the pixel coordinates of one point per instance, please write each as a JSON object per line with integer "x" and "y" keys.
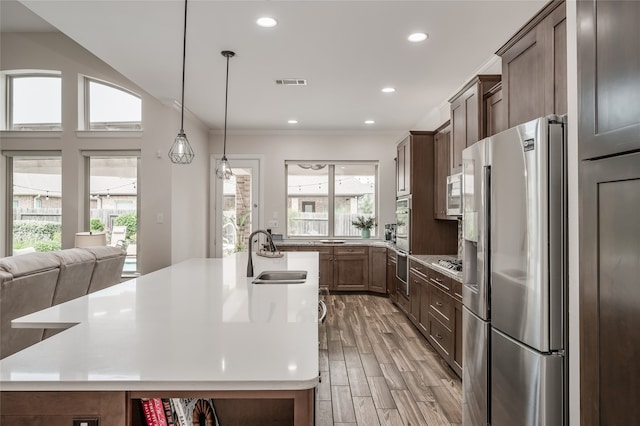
{"x": 215, "y": 200}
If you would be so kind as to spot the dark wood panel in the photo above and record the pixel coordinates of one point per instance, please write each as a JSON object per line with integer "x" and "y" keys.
{"x": 609, "y": 84}
{"x": 496, "y": 111}
{"x": 456, "y": 363}
{"x": 441, "y": 169}
{"x": 351, "y": 272}
{"x": 60, "y": 408}
{"x": 610, "y": 290}
{"x": 534, "y": 67}
{"x": 378, "y": 269}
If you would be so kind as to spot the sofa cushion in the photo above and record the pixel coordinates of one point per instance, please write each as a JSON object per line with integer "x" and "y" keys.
{"x": 76, "y": 268}
{"x": 105, "y": 252}
{"x": 108, "y": 268}
{"x": 29, "y": 263}
{"x": 20, "y": 296}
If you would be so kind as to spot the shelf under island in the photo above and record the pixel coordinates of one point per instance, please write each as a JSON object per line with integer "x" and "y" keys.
{"x": 199, "y": 328}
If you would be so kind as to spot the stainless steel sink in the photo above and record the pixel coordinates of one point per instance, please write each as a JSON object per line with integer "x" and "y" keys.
{"x": 281, "y": 277}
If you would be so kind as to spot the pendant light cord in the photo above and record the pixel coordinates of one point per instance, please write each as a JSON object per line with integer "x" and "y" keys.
{"x": 184, "y": 56}
{"x": 226, "y": 100}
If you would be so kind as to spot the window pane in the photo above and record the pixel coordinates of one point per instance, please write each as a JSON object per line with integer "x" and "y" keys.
{"x": 37, "y": 204}
{"x": 36, "y": 102}
{"x": 113, "y": 192}
{"x": 113, "y": 108}
{"x": 355, "y": 186}
{"x": 307, "y": 200}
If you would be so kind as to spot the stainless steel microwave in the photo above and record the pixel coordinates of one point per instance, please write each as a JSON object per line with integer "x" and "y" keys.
{"x": 454, "y": 195}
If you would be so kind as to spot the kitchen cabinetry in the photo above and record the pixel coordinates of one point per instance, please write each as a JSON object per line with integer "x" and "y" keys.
{"x": 426, "y": 234}
{"x": 441, "y": 169}
{"x": 378, "y": 269}
{"x": 608, "y": 39}
{"x": 420, "y": 298}
{"x": 392, "y": 280}
{"x": 468, "y": 116}
{"x": 609, "y": 84}
{"x": 496, "y": 110}
{"x": 351, "y": 268}
{"x": 534, "y": 67}
{"x": 403, "y": 167}
{"x": 609, "y": 271}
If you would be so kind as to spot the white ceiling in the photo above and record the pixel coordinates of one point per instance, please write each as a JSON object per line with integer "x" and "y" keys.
{"x": 347, "y": 50}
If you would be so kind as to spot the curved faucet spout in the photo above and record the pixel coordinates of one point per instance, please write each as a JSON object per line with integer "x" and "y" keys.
{"x": 272, "y": 247}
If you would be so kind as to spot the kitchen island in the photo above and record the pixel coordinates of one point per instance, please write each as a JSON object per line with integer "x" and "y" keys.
{"x": 199, "y": 328}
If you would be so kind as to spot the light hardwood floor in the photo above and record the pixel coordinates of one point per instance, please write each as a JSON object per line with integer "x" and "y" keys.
{"x": 377, "y": 369}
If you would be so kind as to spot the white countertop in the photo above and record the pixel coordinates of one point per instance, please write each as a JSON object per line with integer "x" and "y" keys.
{"x": 197, "y": 325}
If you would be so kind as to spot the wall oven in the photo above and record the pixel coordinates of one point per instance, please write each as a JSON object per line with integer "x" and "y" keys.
{"x": 402, "y": 273}
{"x": 403, "y": 218}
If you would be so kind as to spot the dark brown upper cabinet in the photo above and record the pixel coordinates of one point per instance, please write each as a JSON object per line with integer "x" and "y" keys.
{"x": 441, "y": 169}
{"x": 534, "y": 67}
{"x": 496, "y": 110}
{"x": 468, "y": 124}
{"x": 609, "y": 77}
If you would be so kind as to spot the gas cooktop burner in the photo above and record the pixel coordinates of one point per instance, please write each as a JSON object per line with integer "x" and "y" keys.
{"x": 453, "y": 265}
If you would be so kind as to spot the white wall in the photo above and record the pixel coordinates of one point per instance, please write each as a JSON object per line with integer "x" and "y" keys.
{"x": 160, "y": 181}
{"x": 278, "y": 147}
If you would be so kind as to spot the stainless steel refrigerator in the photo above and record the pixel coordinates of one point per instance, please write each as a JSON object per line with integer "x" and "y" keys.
{"x": 514, "y": 276}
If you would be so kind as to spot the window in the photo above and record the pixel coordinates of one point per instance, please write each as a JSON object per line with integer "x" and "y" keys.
{"x": 33, "y": 100}
{"x": 109, "y": 107}
{"x": 36, "y": 185}
{"x": 113, "y": 201}
{"x": 324, "y": 198}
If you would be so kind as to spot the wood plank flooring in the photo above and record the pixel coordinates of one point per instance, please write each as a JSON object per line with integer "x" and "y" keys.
{"x": 377, "y": 369}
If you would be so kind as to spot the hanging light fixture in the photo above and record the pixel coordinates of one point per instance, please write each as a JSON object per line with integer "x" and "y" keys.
{"x": 224, "y": 169}
{"x": 181, "y": 151}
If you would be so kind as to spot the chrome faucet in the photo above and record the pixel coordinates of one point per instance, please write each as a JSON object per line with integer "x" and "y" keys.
{"x": 272, "y": 248}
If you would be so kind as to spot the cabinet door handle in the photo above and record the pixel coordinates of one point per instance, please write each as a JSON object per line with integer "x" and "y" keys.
{"x": 438, "y": 304}
{"x": 438, "y": 336}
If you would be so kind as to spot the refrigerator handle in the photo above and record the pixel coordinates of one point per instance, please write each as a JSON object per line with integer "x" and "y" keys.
{"x": 486, "y": 238}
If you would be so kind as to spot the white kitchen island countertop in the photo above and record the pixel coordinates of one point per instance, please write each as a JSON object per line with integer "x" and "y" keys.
{"x": 197, "y": 325}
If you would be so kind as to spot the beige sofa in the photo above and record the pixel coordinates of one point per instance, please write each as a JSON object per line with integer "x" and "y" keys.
{"x": 35, "y": 281}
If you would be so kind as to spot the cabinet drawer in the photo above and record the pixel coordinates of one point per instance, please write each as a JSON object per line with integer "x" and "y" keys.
{"x": 418, "y": 267}
{"x": 351, "y": 250}
{"x": 441, "y": 306}
{"x": 440, "y": 280}
{"x": 456, "y": 290}
{"x": 440, "y": 338}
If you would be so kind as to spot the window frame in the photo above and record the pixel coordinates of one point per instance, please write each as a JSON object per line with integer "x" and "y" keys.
{"x": 331, "y": 165}
{"x": 7, "y": 83}
{"x": 85, "y": 110}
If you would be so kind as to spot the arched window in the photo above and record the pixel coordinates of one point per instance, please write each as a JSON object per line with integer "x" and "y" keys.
{"x": 33, "y": 100}
{"x": 110, "y": 107}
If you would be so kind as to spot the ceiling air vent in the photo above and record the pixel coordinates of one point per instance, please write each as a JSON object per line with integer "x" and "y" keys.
{"x": 291, "y": 82}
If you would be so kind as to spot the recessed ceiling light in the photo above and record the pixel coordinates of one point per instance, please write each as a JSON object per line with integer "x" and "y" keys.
{"x": 417, "y": 37}
{"x": 388, "y": 90}
{"x": 292, "y": 121}
{"x": 369, "y": 122}
{"x": 267, "y": 22}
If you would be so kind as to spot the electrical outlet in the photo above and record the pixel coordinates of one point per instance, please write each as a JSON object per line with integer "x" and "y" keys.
{"x": 86, "y": 422}
{"x": 272, "y": 224}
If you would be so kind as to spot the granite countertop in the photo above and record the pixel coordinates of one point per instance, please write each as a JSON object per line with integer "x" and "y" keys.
{"x": 196, "y": 325}
{"x": 428, "y": 260}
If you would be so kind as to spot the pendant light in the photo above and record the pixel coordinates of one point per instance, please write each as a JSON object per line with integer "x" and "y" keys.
{"x": 181, "y": 151}
{"x": 224, "y": 169}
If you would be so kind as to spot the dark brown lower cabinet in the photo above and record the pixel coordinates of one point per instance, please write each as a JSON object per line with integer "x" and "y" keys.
{"x": 392, "y": 280}
{"x": 351, "y": 268}
{"x": 456, "y": 361}
{"x": 378, "y": 269}
{"x": 610, "y": 291}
